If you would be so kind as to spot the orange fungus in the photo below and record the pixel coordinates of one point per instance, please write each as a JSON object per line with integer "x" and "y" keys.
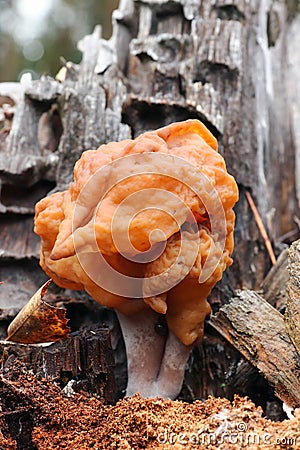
{"x": 166, "y": 195}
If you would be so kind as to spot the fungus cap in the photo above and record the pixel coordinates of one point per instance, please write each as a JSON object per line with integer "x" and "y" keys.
{"x": 76, "y": 224}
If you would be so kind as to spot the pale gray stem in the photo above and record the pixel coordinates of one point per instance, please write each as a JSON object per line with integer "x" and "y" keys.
{"x": 144, "y": 348}
{"x": 171, "y": 373}
{"x": 155, "y": 363}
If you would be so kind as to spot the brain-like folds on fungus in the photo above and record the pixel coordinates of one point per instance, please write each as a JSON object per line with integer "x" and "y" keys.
{"x": 167, "y": 190}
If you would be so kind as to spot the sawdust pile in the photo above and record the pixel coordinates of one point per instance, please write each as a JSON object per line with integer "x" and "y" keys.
{"x": 53, "y": 420}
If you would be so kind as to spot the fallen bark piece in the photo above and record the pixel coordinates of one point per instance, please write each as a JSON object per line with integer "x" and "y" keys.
{"x": 258, "y": 331}
{"x": 38, "y": 321}
{"x": 292, "y": 313}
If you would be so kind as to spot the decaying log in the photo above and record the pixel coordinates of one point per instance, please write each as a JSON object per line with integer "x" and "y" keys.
{"x": 258, "y": 332}
{"x": 85, "y": 356}
{"x": 292, "y": 313}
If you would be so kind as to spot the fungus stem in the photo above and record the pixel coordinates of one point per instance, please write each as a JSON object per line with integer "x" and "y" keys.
{"x": 155, "y": 363}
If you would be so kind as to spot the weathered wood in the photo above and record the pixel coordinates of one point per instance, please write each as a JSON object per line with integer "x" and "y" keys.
{"x": 20, "y": 281}
{"x": 86, "y": 357}
{"x": 292, "y": 313}
{"x": 242, "y": 377}
{"x": 258, "y": 331}
{"x": 11, "y": 246}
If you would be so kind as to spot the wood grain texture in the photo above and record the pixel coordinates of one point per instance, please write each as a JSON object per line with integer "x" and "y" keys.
{"x": 274, "y": 286}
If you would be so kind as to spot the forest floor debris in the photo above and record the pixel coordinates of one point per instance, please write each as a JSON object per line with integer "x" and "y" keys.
{"x": 82, "y": 421}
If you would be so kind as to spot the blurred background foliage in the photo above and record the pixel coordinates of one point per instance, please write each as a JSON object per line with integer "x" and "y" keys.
{"x": 35, "y": 34}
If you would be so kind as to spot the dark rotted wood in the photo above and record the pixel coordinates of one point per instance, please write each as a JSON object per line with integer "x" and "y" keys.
{"x": 223, "y": 370}
{"x": 292, "y": 313}
{"x": 244, "y": 379}
{"x": 86, "y": 357}
{"x": 241, "y": 377}
{"x": 206, "y": 370}
{"x": 16, "y": 415}
{"x": 258, "y": 332}
{"x": 20, "y": 425}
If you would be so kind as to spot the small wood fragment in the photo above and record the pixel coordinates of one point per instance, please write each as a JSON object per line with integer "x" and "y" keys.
{"x": 258, "y": 331}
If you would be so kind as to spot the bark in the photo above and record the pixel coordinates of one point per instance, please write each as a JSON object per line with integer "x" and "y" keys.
{"x": 232, "y": 64}
{"x": 245, "y": 323}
